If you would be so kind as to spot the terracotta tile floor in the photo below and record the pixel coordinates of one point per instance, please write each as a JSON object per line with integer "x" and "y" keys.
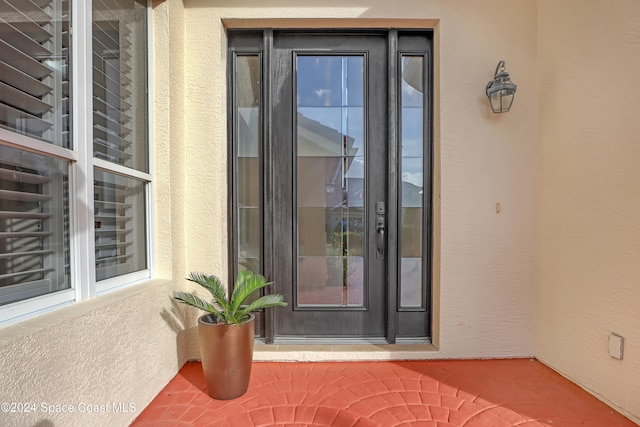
{"x": 514, "y": 392}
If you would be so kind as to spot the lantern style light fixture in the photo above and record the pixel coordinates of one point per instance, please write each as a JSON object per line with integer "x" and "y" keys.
{"x": 501, "y": 90}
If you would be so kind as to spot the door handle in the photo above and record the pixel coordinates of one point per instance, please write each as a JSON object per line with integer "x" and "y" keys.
{"x": 380, "y": 227}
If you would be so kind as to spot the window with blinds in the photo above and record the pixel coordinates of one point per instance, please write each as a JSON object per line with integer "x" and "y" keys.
{"x": 40, "y": 156}
{"x": 119, "y": 135}
{"x": 120, "y": 232}
{"x": 119, "y": 83}
{"x": 34, "y": 189}
{"x": 34, "y": 69}
{"x": 34, "y": 225}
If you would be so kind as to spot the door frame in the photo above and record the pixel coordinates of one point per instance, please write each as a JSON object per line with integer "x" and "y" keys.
{"x": 261, "y": 42}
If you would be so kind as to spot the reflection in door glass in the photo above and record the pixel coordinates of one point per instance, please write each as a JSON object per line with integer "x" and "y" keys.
{"x": 412, "y": 205}
{"x": 249, "y": 226}
{"x": 330, "y": 180}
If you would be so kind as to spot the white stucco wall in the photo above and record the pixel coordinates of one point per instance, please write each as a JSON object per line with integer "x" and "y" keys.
{"x": 589, "y": 234}
{"x": 486, "y": 267}
{"x": 125, "y": 346}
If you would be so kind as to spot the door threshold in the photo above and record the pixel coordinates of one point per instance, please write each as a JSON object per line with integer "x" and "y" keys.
{"x": 344, "y": 352}
{"x": 329, "y": 340}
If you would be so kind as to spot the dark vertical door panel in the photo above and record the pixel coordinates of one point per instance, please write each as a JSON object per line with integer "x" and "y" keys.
{"x": 330, "y": 107}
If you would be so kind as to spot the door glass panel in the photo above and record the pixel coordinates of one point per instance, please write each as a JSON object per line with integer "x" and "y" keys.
{"x": 249, "y": 225}
{"x": 412, "y": 170}
{"x": 330, "y": 180}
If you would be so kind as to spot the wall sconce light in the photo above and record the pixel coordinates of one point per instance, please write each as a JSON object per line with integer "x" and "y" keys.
{"x": 501, "y": 90}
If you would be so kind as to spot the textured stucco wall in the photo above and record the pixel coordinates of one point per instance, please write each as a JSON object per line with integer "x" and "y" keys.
{"x": 122, "y": 347}
{"x": 589, "y": 234}
{"x": 112, "y": 349}
{"x": 486, "y": 270}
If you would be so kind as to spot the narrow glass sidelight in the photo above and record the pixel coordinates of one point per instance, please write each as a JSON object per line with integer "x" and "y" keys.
{"x": 412, "y": 182}
{"x": 248, "y": 161}
{"x": 330, "y": 143}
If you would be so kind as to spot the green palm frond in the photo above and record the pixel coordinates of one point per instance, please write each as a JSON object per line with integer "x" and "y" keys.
{"x": 213, "y": 285}
{"x": 275, "y": 300}
{"x": 197, "y": 302}
{"x": 247, "y": 283}
{"x": 231, "y": 310}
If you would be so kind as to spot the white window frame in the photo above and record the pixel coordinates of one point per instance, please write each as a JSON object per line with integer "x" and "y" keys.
{"x": 81, "y": 163}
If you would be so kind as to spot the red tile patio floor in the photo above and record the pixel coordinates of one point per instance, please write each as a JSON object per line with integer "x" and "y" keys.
{"x": 470, "y": 393}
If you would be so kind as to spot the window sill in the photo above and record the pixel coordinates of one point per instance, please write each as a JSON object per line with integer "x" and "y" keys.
{"x": 31, "y": 324}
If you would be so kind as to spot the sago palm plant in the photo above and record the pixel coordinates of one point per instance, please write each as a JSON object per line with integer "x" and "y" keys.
{"x": 231, "y": 311}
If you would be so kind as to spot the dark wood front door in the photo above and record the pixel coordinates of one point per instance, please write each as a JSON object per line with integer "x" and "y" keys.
{"x": 331, "y": 136}
{"x": 342, "y": 209}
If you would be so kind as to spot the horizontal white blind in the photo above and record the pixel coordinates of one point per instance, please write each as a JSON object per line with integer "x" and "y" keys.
{"x": 34, "y": 58}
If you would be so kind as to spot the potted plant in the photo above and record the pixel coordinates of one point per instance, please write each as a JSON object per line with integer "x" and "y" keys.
{"x": 226, "y": 332}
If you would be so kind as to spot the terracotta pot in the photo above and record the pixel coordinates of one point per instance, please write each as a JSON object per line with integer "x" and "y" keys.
{"x": 226, "y": 352}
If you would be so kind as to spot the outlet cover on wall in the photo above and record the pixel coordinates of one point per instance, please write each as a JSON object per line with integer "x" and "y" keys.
{"x": 616, "y": 346}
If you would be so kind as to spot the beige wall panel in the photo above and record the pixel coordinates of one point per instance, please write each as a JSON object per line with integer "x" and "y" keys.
{"x": 118, "y": 348}
{"x": 589, "y": 234}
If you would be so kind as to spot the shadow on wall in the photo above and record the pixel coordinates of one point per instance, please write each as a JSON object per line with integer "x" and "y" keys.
{"x": 44, "y": 423}
{"x": 182, "y": 323}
